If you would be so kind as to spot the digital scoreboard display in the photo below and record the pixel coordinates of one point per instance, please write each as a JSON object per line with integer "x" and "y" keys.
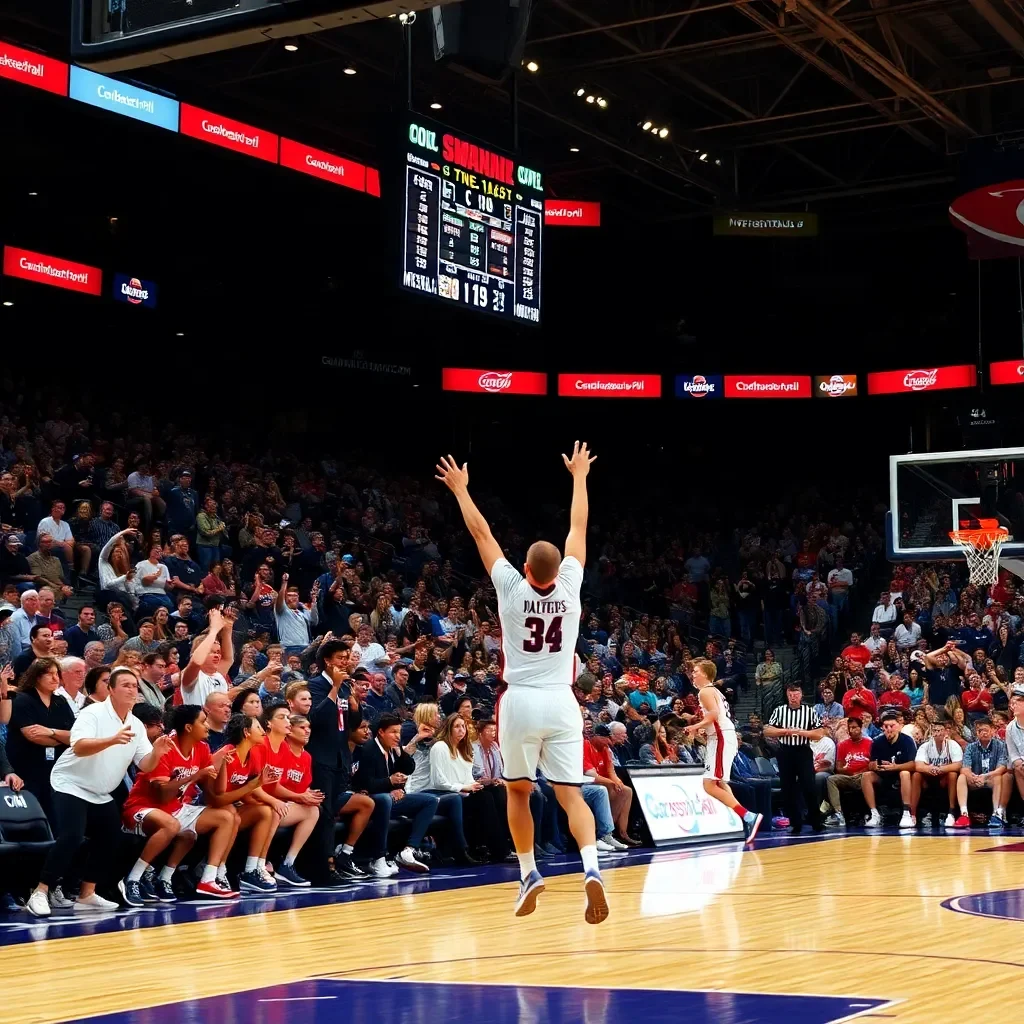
{"x": 474, "y": 218}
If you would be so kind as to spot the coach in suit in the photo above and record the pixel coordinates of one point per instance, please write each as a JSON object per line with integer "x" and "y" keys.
{"x": 384, "y": 767}
{"x": 330, "y": 719}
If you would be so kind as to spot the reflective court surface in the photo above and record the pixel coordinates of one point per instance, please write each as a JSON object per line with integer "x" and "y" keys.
{"x": 875, "y": 927}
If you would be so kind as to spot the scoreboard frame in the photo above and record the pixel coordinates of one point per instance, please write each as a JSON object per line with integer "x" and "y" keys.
{"x": 452, "y": 157}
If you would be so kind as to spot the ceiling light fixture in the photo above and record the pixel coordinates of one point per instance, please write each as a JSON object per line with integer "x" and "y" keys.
{"x": 703, "y": 158}
{"x": 533, "y": 66}
{"x": 580, "y": 91}
{"x": 33, "y": 193}
{"x": 291, "y": 46}
{"x": 718, "y": 163}
{"x": 654, "y": 129}
{"x": 646, "y": 126}
{"x": 435, "y": 105}
{"x": 7, "y": 302}
{"x": 663, "y": 134}
{"x": 602, "y": 102}
{"x": 591, "y": 98}
{"x": 350, "y": 71}
{"x": 574, "y": 149}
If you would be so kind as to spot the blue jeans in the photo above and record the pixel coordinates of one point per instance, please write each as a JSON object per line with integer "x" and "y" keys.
{"x": 421, "y": 808}
{"x": 545, "y": 815}
{"x": 600, "y": 806}
{"x": 149, "y": 603}
{"x": 449, "y": 805}
{"x": 722, "y": 626}
{"x": 748, "y": 623}
{"x": 208, "y": 554}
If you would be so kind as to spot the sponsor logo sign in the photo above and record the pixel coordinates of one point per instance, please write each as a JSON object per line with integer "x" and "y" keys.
{"x": 838, "y": 385}
{"x": 699, "y": 385}
{"x": 494, "y": 382}
{"x": 34, "y": 266}
{"x": 124, "y": 98}
{"x": 995, "y": 212}
{"x": 134, "y": 291}
{"x": 572, "y": 213}
{"x": 760, "y": 385}
{"x": 609, "y": 385}
{"x": 299, "y": 157}
{"x": 33, "y": 69}
{"x": 1008, "y": 371}
{"x": 230, "y": 134}
{"x": 767, "y": 225}
{"x": 936, "y": 378}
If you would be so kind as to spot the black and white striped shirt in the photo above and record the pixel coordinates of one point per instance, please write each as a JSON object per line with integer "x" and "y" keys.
{"x": 803, "y": 717}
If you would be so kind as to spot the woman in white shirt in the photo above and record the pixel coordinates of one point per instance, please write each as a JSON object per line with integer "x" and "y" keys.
{"x": 151, "y": 579}
{"x": 451, "y": 775}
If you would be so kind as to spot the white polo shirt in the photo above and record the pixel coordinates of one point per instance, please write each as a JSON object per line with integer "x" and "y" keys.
{"x": 95, "y": 777}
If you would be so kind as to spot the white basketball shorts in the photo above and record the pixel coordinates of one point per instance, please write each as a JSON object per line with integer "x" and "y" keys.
{"x": 541, "y": 730}
{"x": 719, "y": 755}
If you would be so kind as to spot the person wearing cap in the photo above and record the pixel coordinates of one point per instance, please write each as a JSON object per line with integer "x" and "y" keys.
{"x": 893, "y": 756}
{"x": 183, "y": 505}
{"x": 14, "y": 567}
{"x": 450, "y": 700}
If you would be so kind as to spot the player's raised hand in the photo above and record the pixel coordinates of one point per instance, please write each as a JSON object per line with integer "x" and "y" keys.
{"x": 449, "y": 473}
{"x": 579, "y": 464}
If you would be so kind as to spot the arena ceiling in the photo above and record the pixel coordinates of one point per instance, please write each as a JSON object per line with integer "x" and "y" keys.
{"x": 768, "y": 105}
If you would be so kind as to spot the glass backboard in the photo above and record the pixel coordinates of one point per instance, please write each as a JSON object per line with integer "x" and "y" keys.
{"x": 934, "y": 492}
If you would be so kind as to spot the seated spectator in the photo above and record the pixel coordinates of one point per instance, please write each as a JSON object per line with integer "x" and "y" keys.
{"x": 22, "y": 620}
{"x": 824, "y": 753}
{"x": 598, "y": 766}
{"x": 451, "y": 771}
{"x": 642, "y": 699}
{"x": 959, "y": 730}
{"x": 59, "y": 532}
{"x": 936, "y": 771}
{"x": 97, "y": 685}
{"x": 185, "y": 577}
{"x": 160, "y": 808}
{"x": 378, "y": 701}
{"x": 141, "y": 490}
{"x": 874, "y": 641}
{"x": 72, "y": 672}
{"x": 984, "y": 766}
{"x": 117, "y": 575}
{"x": 247, "y": 702}
{"x": 855, "y": 652}
{"x": 384, "y": 768}
{"x": 46, "y": 567}
{"x": 105, "y": 739}
{"x": 40, "y": 646}
{"x": 399, "y": 691}
{"x": 908, "y": 633}
{"x": 976, "y": 701}
{"x": 858, "y": 699}
{"x": 39, "y": 729}
{"x": 914, "y": 687}
{"x": 852, "y": 759}
{"x": 14, "y": 567}
{"x": 1015, "y": 739}
{"x": 152, "y": 581}
{"x": 82, "y": 632}
{"x": 885, "y": 612}
{"x": 769, "y": 671}
{"x": 828, "y": 710}
{"x": 657, "y": 750}
{"x": 218, "y": 713}
{"x": 284, "y": 749}
{"x": 893, "y": 756}
{"x": 892, "y": 694}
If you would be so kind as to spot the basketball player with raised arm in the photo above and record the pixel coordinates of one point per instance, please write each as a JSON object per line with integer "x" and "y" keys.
{"x": 539, "y": 725}
{"x": 721, "y": 746}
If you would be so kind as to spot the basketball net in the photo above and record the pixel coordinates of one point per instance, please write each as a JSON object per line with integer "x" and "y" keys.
{"x": 981, "y": 545}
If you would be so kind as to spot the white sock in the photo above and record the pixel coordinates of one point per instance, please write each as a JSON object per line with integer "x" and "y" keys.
{"x": 252, "y": 864}
{"x": 261, "y": 864}
{"x": 137, "y": 871}
{"x": 589, "y": 855}
{"x": 209, "y": 874}
{"x": 222, "y": 872}
{"x": 347, "y": 848}
{"x": 166, "y": 874}
{"x": 1001, "y": 811}
{"x": 963, "y": 810}
{"x": 289, "y": 860}
{"x": 527, "y": 863}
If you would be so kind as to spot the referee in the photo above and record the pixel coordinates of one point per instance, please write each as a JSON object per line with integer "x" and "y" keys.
{"x": 793, "y": 726}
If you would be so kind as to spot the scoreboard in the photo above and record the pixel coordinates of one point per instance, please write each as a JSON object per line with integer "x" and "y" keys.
{"x": 474, "y": 221}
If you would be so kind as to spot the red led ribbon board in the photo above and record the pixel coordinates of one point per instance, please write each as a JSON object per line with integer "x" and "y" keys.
{"x": 494, "y": 382}
{"x": 33, "y": 69}
{"x": 936, "y": 378}
{"x": 227, "y": 133}
{"x": 759, "y": 385}
{"x": 51, "y": 270}
{"x": 609, "y": 385}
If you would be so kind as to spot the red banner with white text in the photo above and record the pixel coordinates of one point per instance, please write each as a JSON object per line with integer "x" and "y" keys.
{"x": 937, "y": 378}
{"x": 494, "y": 382}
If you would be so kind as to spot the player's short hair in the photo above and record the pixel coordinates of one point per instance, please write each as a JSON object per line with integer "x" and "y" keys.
{"x": 706, "y": 666}
{"x": 543, "y": 560}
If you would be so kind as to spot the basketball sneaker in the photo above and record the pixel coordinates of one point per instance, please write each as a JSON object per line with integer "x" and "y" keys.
{"x": 597, "y": 902}
{"x": 529, "y": 889}
{"x": 752, "y": 828}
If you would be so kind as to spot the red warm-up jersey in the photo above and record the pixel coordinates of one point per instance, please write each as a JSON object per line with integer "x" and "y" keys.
{"x": 173, "y": 765}
{"x": 296, "y": 769}
{"x": 238, "y": 774}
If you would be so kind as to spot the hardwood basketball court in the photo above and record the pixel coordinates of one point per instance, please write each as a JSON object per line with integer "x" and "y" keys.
{"x": 901, "y": 928}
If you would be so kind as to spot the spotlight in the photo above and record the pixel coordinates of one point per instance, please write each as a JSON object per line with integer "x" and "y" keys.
{"x": 33, "y": 193}
{"x": 291, "y": 46}
{"x": 435, "y": 105}
{"x": 349, "y": 71}
{"x": 654, "y": 129}
{"x": 646, "y": 126}
{"x": 663, "y": 134}
{"x": 580, "y": 91}
{"x": 718, "y": 163}
{"x": 602, "y": 102}
{"x": 590, "y": 98}
{"x": 408, "y": 18}
{"x": 703, "y": 158}
{"x": 574, "y": 149}
{"x": 7, "y": 302}
{"x": 533, "y": 66}
{"x": 179, "y": 334}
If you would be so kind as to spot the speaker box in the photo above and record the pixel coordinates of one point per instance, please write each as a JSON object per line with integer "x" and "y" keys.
{"x": 487, "y": 35}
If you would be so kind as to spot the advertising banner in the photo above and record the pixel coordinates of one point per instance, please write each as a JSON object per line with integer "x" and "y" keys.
{"x": 572, "y": 213}
{"x": 767, "y": 385}
{"x": 33, "y": 69}
{"x": 494, "y": 382}
{"x": 34, "y": 266}
{"x": 609, "y": 385}
{"x": 1007, "y": 371}
{"x": 938, "y": 378}
{"x": 134, "y": 291}
{"x": 297, "y": 156}
{"x": 700, "y": 385}
{"x": 837, "y": 385}
{"x": 677, "y": 810}
{"x": 223, "y": 131}
{"x": 124, "y": 98}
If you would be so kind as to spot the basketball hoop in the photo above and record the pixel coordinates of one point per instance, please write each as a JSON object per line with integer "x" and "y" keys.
{"x": 981, "y": 545}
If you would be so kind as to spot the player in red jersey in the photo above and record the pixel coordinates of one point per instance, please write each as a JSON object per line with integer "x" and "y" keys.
{"x": 242, "y": 776}
{"x": 159, "y": 806}
{"x": 293, "y": 773}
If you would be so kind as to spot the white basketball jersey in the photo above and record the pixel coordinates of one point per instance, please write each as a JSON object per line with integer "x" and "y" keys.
{"x": 539, "y": 626}
{"x": 724, "y": 722}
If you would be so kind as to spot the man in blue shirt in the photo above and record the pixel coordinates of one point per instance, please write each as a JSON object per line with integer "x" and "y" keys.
{"x": 183, "y": 506}
{"x": 829, "y": 708}
{"x": 185, "y": 575}
{"x": 984, "y": 767}
{"x": 893, "y": 756}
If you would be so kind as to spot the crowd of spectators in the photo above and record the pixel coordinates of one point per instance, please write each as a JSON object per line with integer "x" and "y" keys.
{"x": 235, "y": 640}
